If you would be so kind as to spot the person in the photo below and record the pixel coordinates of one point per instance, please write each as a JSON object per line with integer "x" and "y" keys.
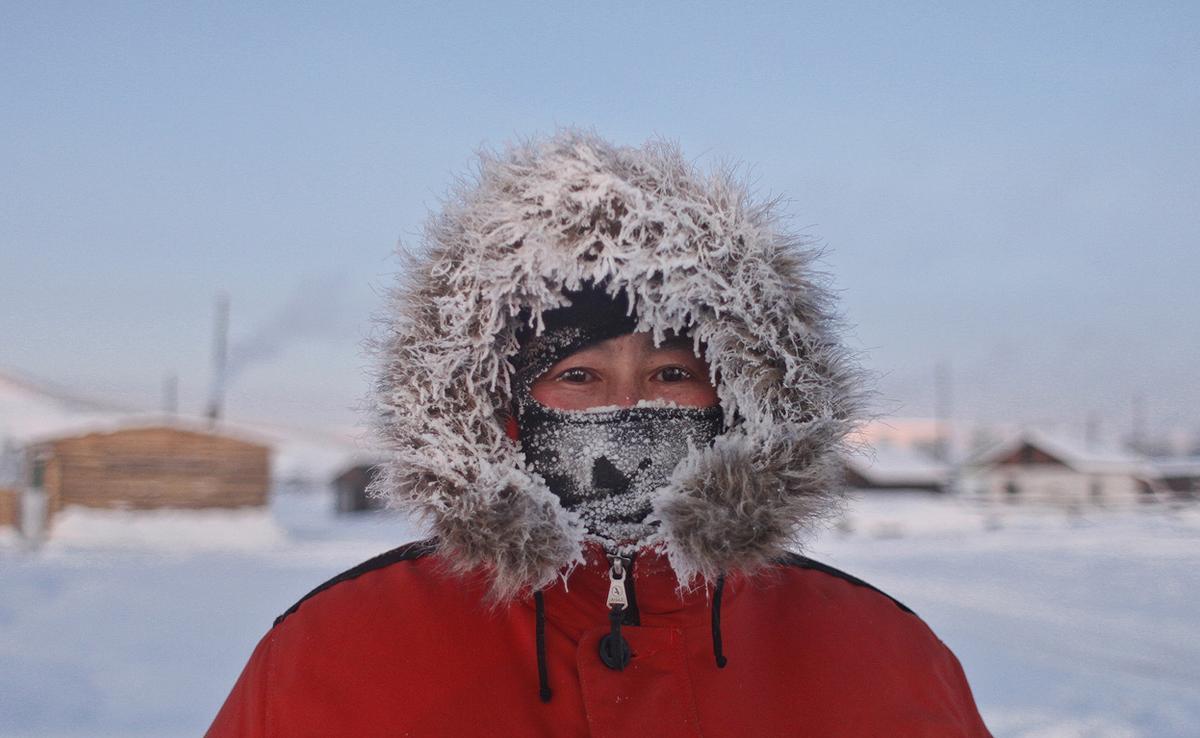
{"x": 615, "y": 388}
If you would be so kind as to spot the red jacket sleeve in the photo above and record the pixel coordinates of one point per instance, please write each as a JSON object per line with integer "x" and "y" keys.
{"x": 960, "y": 703}
{"x": 245, "y": 712}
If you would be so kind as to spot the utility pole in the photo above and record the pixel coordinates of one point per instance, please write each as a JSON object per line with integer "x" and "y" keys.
{"x": 1091, "y": 429}
{"x": 170, "y": 394}
{"x": 1137, "y": 435}
{"x": 216, "y": 397}
{"x": 942, "y": 412}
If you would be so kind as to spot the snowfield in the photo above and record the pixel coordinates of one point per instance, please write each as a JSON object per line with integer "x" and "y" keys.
{"x": 1067, "y": 623}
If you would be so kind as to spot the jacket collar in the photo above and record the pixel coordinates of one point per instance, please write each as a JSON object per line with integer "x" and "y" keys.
{"x": 578, "y": 602}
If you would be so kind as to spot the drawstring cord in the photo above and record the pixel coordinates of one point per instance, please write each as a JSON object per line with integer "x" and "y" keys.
{"x": 718, "y": 652}
{"x": 543, "y": 677}
{"x": 614, "y": 650}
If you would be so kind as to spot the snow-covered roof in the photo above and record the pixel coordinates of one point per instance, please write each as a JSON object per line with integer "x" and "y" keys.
{"x": 1183, "y": 466}
{"x": 31, "y": 408}
{"x": 896, "y": 465}
{"x": 1095, "y": 457}
{"x": 112, "y": 423}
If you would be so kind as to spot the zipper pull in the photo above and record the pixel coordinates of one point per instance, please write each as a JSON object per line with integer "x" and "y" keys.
{"x": 617, "y": 597}
{"x": 614, "y": 649}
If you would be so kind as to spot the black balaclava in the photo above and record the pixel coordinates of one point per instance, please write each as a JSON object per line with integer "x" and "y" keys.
{"x": 603, "y": 463}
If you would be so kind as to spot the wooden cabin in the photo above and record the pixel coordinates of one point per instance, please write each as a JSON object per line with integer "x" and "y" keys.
{"x": 171, "y": 464}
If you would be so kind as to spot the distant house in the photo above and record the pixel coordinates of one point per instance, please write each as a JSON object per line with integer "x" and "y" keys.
{"x": 1181, "y": 476}
{"x": 138, "y": 463}
{"x": 350, "y": 489}
{"x": 896, "y": 467}
{"x": 1045, "y": 467}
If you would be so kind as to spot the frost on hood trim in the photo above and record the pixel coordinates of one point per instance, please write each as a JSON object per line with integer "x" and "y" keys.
{"x": 690, "y": 249}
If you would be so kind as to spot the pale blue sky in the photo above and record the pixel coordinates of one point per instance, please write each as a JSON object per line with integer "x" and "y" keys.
{"x": 1012, "y": 189}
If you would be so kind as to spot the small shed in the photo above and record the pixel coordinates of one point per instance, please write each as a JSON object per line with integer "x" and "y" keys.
{"x": 350, "y": 489}
{"x": 165, "y": 462}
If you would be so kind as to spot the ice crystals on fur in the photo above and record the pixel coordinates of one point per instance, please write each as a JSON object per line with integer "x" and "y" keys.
{"x": 689, "y": 248}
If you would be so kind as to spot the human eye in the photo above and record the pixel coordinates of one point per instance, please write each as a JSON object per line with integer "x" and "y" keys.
{"x": 673, "y": 374}
{"x": 575, "y": 375}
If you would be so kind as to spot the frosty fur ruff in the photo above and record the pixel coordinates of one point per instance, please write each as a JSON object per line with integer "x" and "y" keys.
{"x": 689, "y": 249}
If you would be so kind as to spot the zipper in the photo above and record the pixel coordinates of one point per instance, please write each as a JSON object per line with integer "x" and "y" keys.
{"x": 615, "y": 652}
{"x": 621, "y": 592}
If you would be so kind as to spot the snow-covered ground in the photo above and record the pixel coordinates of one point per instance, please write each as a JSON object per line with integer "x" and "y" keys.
{"x": 1067, "y": 624}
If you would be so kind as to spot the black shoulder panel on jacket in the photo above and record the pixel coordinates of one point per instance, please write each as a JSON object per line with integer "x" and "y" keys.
{"x": 803, "y": 562}
{"x": 407, "y": 552}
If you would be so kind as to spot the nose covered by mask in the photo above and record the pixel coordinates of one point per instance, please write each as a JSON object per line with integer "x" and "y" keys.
{"x": 607, "y": 464}
{"x": 604, "y": 463}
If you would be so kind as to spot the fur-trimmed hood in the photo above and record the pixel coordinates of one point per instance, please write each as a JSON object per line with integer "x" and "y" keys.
{"x": 690, "y": 249}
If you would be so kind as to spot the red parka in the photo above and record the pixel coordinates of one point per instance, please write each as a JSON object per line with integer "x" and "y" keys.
{"x": 764, "y": 643}
{"x": 398, "y": 646}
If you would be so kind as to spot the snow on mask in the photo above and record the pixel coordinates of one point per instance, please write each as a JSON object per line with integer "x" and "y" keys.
{"x": 603, "y": 463}
{"x": 607, "y": 463}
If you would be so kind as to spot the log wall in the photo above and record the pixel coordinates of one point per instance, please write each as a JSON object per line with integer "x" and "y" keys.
{"x": 148, "y": 468}
{"x": 10, "y": 507}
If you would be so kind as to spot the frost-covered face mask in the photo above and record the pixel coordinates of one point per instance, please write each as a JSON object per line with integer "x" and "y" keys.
{"x": 606, "y": 464}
